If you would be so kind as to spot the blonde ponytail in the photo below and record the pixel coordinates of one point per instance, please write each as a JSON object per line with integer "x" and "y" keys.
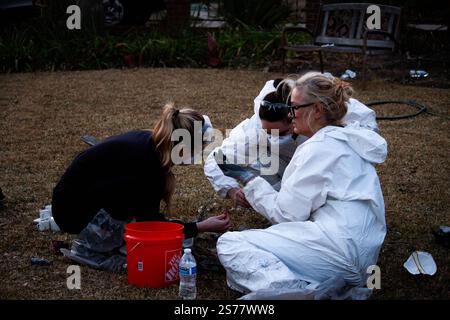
{"x": 170, "y": 120}
{"x": 162, "y": 134}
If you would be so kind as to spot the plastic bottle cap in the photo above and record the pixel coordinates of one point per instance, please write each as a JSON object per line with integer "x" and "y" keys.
{"x": 187, "y": 250}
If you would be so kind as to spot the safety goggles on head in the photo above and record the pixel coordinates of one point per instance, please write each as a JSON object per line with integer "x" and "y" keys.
{"x": 293, "y": 108}
{"x": 273, "y": 105}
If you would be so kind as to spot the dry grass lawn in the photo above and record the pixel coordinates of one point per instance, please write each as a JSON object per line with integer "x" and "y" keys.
{"x": 43, "y": 115}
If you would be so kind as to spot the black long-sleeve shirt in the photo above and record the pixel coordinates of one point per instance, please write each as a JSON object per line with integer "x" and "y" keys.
{"x": 122, "y": 175}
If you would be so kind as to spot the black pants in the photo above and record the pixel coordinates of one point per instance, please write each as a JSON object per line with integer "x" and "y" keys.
{"x": 121, "y": 196}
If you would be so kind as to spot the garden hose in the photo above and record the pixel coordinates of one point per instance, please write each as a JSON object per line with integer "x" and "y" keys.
{"x": 412, "y": 103}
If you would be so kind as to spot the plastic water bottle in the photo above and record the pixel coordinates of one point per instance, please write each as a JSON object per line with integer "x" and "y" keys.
{"x": 188, "y": 275}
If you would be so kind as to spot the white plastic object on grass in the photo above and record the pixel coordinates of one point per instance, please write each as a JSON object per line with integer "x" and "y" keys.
{"x": 418, "y": 73}
{"x": 420, "y": 262}
{"x": 348, "y": 74}
{"x": 46, "y": 221}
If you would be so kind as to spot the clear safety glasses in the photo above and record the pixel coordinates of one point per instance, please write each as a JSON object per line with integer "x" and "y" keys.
{"x": 292, "y": 108}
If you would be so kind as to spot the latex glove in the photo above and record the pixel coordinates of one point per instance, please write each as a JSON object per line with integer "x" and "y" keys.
{"x": 238, "y": 197}
{"x": 236, "y": 172}
{"x": 219, "y": 223}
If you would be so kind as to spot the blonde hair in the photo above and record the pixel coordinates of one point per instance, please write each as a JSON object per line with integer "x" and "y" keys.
{"x": 285, "y": 87}
{"x": 331, "y": 92}
{"x": 171, "y": 119}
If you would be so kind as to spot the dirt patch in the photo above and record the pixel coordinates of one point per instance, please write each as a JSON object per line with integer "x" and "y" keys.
{"x": 43, "y": 115}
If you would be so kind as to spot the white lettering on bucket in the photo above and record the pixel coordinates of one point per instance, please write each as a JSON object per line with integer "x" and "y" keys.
{"x": 140, "y": 266}
{"x": 173, "y": 258}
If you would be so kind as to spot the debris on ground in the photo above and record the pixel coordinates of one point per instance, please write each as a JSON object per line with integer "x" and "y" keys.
{"x": 420, "y": 262}
{"x": 36, "y": 261}
{"x": 418, "y": 73}
{"x": 90, "y": 140}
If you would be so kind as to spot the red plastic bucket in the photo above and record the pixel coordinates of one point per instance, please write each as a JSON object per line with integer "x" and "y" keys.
{"x": 153, "y": 253}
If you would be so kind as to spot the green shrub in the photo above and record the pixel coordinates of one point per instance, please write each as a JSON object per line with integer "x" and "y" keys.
{"x": 247, "y": 47}
{"x": 43, "y": 45}
{"x": 265, "y": 14}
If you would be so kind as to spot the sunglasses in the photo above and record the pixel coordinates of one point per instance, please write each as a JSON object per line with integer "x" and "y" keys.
{"x": 292, "y": 108}
{"x": 273, "y": 105}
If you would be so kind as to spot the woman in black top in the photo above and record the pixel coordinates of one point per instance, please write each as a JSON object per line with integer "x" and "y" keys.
{"x": 127, "y": 175}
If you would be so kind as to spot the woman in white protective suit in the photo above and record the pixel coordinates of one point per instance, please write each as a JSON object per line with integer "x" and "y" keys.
{"x": 236, "y": 145}
{"x": 328, "y": 217}
{"x": 271, "y": 113}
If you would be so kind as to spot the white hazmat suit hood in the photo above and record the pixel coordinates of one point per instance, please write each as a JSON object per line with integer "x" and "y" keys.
{"x": 367, "y": 144}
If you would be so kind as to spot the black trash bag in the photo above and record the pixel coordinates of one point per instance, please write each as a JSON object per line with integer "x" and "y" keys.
{"x": 99, "y": 243}
{"x": 103, "y": 233}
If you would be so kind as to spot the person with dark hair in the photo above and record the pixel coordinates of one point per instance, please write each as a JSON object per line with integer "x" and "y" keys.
{"x": 271, "y": 118}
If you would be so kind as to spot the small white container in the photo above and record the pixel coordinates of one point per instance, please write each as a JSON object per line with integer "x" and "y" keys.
{"x": 44, "y": 224}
